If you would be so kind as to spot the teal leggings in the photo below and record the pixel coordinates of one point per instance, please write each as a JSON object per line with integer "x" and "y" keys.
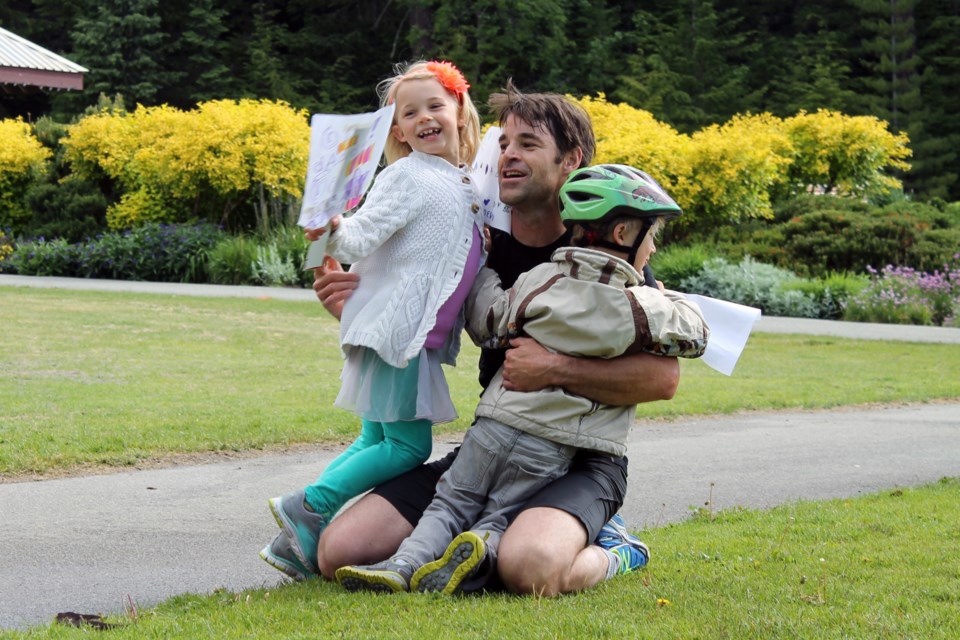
{"x": 383, "y": 451}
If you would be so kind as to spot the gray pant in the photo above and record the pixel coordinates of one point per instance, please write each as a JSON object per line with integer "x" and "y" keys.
{"x": 496, "y": 470}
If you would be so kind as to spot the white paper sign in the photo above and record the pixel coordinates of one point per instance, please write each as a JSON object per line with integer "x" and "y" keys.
{"x": 730, "y": 326}
{"x": 484, "y": 172}
{"x": 344, "y": 154}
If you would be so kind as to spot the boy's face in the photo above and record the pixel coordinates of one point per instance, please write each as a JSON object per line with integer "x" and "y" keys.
{"x": 531, "y": 168}
{"x": 647, "y": 248}
{"x": 626, "y": 234}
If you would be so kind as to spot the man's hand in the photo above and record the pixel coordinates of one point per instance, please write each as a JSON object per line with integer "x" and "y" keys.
{"x": 632, "y": 379}
{"x": 314, "y": 234}
{"x": 333, "y": 285}
{"x": 528, "y": 366}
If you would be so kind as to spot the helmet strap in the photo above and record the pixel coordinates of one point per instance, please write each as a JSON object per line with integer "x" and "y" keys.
{"x": 635, "y": 247}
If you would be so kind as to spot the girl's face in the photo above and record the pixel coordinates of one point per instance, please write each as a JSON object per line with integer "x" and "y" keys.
{"x": 428, "y": 119}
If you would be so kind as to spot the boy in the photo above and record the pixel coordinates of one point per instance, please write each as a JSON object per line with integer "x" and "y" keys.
{"x": 588, "y": 301}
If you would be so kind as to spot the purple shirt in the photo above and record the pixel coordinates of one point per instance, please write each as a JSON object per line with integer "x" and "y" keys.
{"x": 447, "y": 315}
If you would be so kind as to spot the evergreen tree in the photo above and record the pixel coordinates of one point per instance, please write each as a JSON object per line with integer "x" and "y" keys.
{"x": 604, "y": 40}
{"x": 264, "y": 75}
{"x": 492, "y": 40}
{"x": 14, "y": 16}
{"x": 196, "y": 52}
{"x": 889, "y": 51}
{"x": 936, "y": 134}
{"x": 339, "y": 68}
{"x": 691, "y": 62}
{"x": 119, "y": 43}
{"x": 651, "y": 82}
{"x": 815, "y": 74}
{"x": 49, "y": 23}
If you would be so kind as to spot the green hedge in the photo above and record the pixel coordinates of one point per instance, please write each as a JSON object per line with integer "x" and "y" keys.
{"x": 153, "y": 252}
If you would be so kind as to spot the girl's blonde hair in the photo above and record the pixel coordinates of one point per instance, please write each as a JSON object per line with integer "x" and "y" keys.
{"x": 447, "y": 75}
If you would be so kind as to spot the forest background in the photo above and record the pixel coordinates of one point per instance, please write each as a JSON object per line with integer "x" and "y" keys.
{"x": 691, "y": 63}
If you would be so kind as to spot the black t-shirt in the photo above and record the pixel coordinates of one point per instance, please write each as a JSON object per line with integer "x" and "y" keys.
{"x": 509, "y": 259}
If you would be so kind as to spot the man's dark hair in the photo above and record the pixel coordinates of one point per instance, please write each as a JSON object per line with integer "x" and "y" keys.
{"x": 566, "y": 121}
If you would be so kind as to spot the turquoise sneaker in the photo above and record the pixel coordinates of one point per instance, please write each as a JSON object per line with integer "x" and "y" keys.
{"x": 632, "y": 551}
{"x": 632, "y": 557}
{"x": 384, "y": 577}
{"x": 459, "y": 562}
{"x": 279, "y": 555}
{"x": 301, "y": 526}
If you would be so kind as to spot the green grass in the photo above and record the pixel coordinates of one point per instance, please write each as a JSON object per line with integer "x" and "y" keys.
{"x": 92, "y": 378}
{"x": 875, "y": 567}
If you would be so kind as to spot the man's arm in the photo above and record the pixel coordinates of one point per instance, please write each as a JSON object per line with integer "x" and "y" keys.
{"x": 630, "y": 379}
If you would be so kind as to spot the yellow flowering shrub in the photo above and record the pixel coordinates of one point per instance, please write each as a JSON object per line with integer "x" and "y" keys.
{"x": 847, "y": 153}
{"x": 6, "y": 247}
{"x": 138, "y": 207}
{"x": 630, "y": 136}
{"x": 22, "y": 159}
{"x": 735, "y": 171}
{"x": 733, "y": 168}
{"x": 174, "y": 165}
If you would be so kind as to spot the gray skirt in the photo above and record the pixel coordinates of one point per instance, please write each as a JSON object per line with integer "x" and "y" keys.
{"x": 379, "y": 392}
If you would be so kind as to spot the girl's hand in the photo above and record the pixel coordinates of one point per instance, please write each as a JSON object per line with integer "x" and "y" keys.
{"x": 314, "y": 234}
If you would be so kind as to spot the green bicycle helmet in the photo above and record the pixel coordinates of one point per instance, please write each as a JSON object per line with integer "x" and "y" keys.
{"x": 606, "y": 192}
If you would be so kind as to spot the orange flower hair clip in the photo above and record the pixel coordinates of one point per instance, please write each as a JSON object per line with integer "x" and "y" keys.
{"x": 449, "y": 76}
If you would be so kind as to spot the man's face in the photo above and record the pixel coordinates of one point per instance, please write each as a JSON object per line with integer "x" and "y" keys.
{"x": 530, "y": 169}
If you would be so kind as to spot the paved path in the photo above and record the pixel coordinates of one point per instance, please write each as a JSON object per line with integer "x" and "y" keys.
{"x": 88, "y": 544}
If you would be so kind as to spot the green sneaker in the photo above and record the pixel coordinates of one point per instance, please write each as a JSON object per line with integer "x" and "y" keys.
{"x": 384, "y": 577}
{"x": 301, "y": 526}
{"x": 279, "y": 555}
{"x": 459, "y": 562}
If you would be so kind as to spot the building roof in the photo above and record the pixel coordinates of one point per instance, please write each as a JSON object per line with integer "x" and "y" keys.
{"x": 24, "y": 63}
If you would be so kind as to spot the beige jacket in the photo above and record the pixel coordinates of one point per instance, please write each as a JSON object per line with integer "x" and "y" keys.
{"x": 582, "y": 303}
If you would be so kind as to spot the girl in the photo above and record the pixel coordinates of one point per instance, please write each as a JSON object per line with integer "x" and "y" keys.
{"x": 417, "y": 244}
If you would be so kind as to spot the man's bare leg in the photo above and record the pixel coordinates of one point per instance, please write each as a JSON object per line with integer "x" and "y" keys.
{"x": 530, "y": 562}
{"x": 368, "y": 531}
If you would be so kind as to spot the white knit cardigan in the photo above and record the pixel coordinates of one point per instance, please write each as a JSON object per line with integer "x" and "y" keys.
{"x": 409, "y": 242}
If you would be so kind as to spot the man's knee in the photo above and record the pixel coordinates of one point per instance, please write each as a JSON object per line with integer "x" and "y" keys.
{"x": 368, "y": 531}
{"x": 529, "y": 567}
{"x": 530, "y": 562}
{"x": 332, "y": 552}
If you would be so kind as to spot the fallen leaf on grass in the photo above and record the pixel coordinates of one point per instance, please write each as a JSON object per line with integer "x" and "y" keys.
{"x": 73, "y": 619}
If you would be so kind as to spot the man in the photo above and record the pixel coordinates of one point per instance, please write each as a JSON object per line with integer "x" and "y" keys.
{"x": 546, "y": 550}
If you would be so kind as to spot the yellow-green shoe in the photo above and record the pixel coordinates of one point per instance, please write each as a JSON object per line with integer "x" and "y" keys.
{"x": 384, "y": 577}
{"x": 459, "y": 562}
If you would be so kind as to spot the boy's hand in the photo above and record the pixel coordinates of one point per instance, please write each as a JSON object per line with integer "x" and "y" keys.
{"x": 333, "y": 285}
